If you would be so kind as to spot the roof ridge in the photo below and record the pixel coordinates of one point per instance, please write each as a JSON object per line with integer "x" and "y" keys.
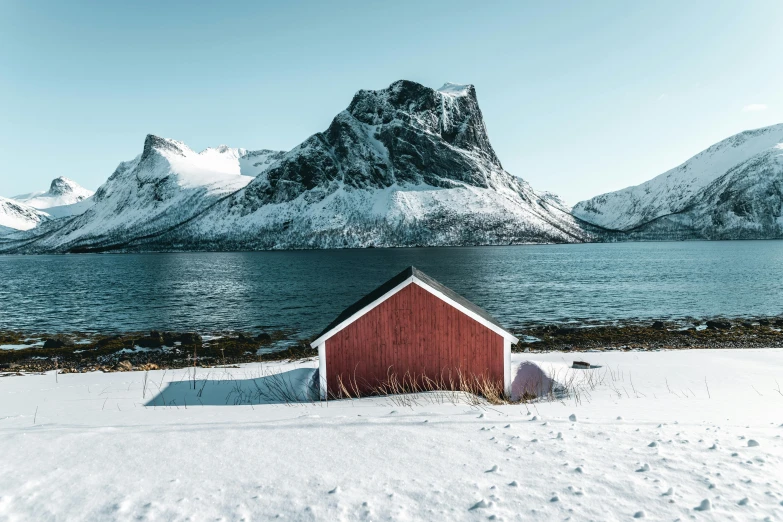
{"x": 410, "y": 272}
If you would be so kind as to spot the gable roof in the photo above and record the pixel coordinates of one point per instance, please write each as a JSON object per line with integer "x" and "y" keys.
{"x": 411, "y": 275}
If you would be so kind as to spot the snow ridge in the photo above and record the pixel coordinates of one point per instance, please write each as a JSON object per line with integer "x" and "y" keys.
{"x": 731, "y": 188}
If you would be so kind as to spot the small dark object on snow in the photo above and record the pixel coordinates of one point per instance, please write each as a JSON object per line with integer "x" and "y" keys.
{"x": 658, "y": 325}
{"x": 719, "y": 325}
{"x": 582, "y": 365}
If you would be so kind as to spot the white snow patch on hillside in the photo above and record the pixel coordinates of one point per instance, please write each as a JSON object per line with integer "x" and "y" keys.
{"x": 660, "y": 433}
{"x": 19, "y": 216}
{"x": 454, "y": 89}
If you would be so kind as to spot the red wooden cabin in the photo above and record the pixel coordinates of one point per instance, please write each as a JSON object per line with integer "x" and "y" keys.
{"x": 411, "y": 326}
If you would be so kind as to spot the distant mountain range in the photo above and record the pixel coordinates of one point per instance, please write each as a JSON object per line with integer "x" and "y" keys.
{"x": 732, "y": 190}
{"x": 402, "y": 166}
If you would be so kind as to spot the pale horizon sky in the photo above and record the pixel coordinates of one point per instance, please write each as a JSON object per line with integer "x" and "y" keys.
{"x": 578, "y": 98}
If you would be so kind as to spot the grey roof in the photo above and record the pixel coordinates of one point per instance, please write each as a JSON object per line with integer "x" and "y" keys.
{"x": 399, "y": 278}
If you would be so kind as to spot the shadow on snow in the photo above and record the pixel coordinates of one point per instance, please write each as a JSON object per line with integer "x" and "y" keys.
{"x": 293, "y": 386}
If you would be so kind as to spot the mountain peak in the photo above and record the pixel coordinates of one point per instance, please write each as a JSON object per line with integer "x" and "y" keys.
{"x": 156, "y": 143}
{"x": 62, "y": 185}
{"x": 455, "y": 89}
{"x": 452, "y": 113}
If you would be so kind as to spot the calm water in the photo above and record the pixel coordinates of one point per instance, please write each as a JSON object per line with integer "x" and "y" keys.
{"x": 305, "y": 290}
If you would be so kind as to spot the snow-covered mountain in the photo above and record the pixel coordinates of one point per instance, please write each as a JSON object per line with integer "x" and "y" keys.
{"x": 15, "y": 216}
{"x": 168, "y": 183}
{"x": 62, "y": 192}
{"x": 733, "y": 189}
{"x": 405, "y": 165}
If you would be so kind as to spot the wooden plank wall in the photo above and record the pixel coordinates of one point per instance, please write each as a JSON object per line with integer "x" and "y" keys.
{"x": 416, "y": 333}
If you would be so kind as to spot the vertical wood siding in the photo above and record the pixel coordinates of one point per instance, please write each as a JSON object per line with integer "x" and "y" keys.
{"x": 416, "y": 333}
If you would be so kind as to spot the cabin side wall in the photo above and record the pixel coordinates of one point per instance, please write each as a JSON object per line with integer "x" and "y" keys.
{"x": 415, "y": 333}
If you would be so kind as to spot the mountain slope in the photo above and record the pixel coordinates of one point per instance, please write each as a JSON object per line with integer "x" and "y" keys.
{"x": 732, "y": 189}
{"x": 167, "y": 184}
{"x": 406, "y": 165}
{"x": 15, "y": 216}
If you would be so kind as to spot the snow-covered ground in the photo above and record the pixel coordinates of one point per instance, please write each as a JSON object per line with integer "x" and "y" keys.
{"x": 654, "y": 435}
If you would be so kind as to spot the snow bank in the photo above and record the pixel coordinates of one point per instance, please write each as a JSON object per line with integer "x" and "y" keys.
{"x": 85, "y": 446}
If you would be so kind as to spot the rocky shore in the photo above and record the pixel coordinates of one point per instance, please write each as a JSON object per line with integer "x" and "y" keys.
{"x": 81, "y": 352}
{"x": 761, "y": 332}
{"x": 24, "y": 352}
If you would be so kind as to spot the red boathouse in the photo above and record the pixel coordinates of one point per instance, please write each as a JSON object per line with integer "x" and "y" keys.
{"x": 411, "y": 325}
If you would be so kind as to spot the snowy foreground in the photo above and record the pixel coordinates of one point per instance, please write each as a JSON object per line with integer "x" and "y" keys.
{"x": 662, "y": 435}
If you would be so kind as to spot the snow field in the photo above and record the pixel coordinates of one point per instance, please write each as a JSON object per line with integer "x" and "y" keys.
{"x": 677, "y": 444}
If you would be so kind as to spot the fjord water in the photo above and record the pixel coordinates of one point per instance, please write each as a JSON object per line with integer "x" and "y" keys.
{"x": 305, "y": 290}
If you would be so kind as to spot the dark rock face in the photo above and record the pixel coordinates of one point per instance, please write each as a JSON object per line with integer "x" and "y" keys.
{"x": 60, "y": 187}
{"x": 658, "y": 325}
{"x": 406, "y": 133}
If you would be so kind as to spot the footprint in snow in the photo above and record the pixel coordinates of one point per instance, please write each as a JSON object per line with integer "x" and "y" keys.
{"x": 669, "y": 492}
{"x": 619, "y": 417}
{"x": 534, "y": 440}
{"x": 645, "y": 467}
{"x": 752, "y": 443}
{"x": 559, "y": 435}
{"x": 638, "y": 514}
{"x": 513, "y": 484}
{"x": 579, "y": 469}
{"x": 535, "y": 418}
{"x": 507, "y": 426}
{"x": 652, "y": 444}
{"x": 493, "y": 469}
{"x": 705, "y": 505}
{"x": 481, "y": 416}
{"x": 481, "y": 504}
{"x": 555, "y": 499}
{"x": 743, "y": 502}
{"x": 572, "y": 417}
{"x": 714, "y": 447}
{"x": 335, "y": 490}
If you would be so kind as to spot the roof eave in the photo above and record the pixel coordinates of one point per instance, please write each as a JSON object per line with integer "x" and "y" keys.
{"x": 437, "y": 293}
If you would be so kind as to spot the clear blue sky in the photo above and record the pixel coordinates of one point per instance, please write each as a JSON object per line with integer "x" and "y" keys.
{"x": 579, "y": 97}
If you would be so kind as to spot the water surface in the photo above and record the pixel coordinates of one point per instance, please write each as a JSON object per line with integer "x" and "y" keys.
{"x": 305, "y": 290}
